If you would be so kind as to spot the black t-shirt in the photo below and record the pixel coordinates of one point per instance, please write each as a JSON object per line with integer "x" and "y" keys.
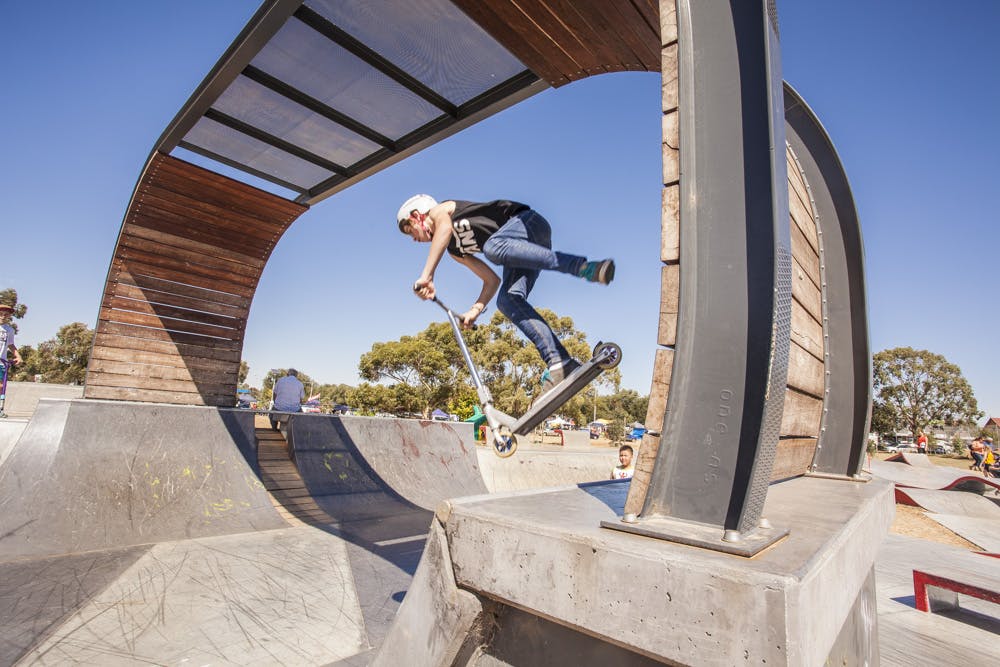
{"x": 473, "y": 223}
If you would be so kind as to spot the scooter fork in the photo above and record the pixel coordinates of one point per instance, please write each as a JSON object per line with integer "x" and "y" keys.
{"x": 500, "y": 423}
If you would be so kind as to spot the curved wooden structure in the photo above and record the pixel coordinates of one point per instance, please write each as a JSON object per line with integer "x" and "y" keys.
{"x": 178, "y": 293}
{"x": 287, "y": 104}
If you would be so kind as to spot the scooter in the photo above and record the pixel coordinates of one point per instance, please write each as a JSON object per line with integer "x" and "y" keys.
{"x": 505, "y": 428}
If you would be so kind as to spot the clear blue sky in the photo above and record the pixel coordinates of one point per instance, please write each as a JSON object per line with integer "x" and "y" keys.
{"x": 908, "y": 90}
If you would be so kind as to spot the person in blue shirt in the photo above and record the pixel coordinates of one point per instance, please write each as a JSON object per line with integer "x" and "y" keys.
{"x": 288, "y": 395}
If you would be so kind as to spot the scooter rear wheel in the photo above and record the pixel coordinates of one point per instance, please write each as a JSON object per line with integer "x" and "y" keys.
{"x": 614, "y": 358}
{"x": 504, "y": 444}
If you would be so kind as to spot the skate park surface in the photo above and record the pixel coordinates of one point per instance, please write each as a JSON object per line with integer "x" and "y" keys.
{"x": 121, "y": 545}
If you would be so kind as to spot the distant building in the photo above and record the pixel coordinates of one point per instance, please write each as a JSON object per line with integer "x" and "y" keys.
{"x": 992, "y": 426}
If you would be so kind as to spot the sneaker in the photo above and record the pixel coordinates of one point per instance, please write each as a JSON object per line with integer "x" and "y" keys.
{"x": 553, "y": 376}
{"x": 599, "y": 272}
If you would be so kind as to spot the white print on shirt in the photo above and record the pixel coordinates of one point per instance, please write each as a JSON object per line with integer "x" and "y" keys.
{"x": 464, "y": 236}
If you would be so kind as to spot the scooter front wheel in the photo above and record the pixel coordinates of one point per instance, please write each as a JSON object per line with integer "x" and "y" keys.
{"x": 614, "y": 353}
{"x": 504, "y": 444}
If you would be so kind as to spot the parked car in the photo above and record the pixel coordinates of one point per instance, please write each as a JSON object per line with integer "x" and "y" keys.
{"x": 939, "y": 449}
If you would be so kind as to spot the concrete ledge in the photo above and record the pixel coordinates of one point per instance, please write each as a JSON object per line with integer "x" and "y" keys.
{"x": 545, "y": 553}
{"x": 436, "y": 617}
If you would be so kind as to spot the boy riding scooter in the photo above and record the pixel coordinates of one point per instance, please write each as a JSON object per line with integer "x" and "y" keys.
{"x": 517, "y": 238}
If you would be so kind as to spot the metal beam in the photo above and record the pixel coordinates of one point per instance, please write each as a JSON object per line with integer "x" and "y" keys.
{"x": 721, "y": 427}
{"x": 847, "y": 397}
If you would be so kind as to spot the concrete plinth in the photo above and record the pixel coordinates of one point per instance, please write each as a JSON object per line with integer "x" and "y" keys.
{"x": 795, "y": 603}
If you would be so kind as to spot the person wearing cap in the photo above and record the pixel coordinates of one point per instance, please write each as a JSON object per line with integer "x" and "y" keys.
{"x": 513, "y": 236}
{"x": 7, "y": 348}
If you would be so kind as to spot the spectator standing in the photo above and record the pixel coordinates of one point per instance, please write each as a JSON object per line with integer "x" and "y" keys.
{"x": 978, "y": 451}
{"x": 6, "y": 346}
{"x": 921, "y": 442}
{"x": 625, "y": 467}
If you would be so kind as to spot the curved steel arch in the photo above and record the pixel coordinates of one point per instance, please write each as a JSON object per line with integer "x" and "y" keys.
{"x": 847, "y": 394}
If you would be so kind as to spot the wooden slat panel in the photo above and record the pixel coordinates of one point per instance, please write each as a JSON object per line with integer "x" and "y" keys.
{"x": 796, "y": 182}
{"x": 805, "y": 372}
{"x": 166, "y": 299}
{"x": 154, "y": 396}
{"x": 793, "y": 457}
{"x": 157, "y": 199}
{"x": 659, "y": 390}
{"x": 137, "y": 355}
{"x": 669, "y": 304}
{"x": 189, "y": 258}
{"x": 134, "y": 266}
{"x": 643, "y": 475}
{"x": 806, "y": 331}
{"x": 650, "y": 12}
{"x": 185, "y": 269}
{"x": 190, "y": 245}
{"x": 211, "y": 187}
{"x": 803, "y": 220}
{"x": 519, "y": 35}
{"x": 98, "y": 379}
{"x": 587, "y": 22}
{"x": 563, "y": 41}
{"x": 171, "y": 222}
{"x": 805, "y": 292}
{"x": 199, "y": 376}
{"x": 210, "y": 296}
{"x": 162, "y": 310}
{"x": 187, "y": 344}
{"x": 634, "y": 32}
{"x": 802, "y": 414}
{"x": 804, "y": 254}
{"x": 182, "y": 326}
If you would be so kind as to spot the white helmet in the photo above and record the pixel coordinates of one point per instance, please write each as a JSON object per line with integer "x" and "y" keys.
{"x": 418, "y": 203}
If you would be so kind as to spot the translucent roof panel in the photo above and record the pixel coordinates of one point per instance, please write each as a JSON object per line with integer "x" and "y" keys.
{"x": 431, "y": 40}
{"x": 238, "y": 147}
{"x": 315, "y": 96}
{"x": 311, "y": 63}
{"x": 276, "y": 115}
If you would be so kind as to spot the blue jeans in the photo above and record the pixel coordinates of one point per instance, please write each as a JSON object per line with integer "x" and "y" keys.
{"x": 523, "y": 247}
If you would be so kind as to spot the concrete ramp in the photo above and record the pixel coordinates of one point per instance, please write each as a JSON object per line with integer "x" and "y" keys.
{"x": 960, "y": 503}
{"x": 10, "y": 431}
{"x": 88, "y": 475}
{"x": 373, "y": 461}
{"x": 933, "y": 477}
{"x": 537, "y": 469}
{"x": 911, "y": 458}
{"x": 141, "y": 534}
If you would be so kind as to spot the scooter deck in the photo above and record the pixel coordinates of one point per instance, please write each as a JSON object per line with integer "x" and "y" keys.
{"x": 554, "y": 398}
